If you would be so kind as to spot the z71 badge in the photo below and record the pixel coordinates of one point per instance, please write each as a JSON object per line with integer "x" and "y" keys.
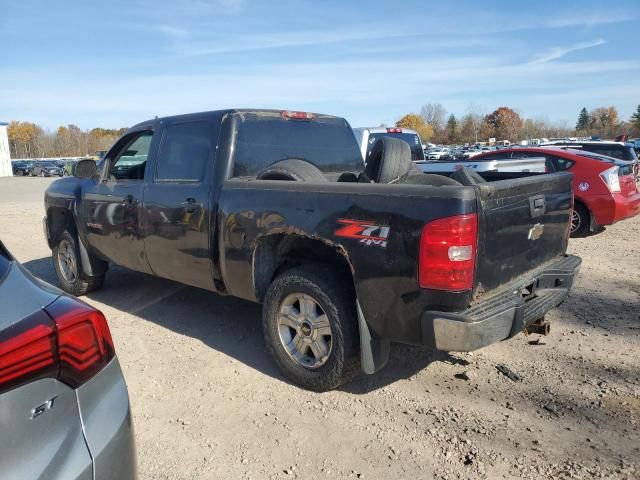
{"x": 368, "y": 233}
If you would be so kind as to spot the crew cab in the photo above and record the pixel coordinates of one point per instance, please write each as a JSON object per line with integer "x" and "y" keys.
{"x": 278, "y": 207}
{"x": 605, "y": 188}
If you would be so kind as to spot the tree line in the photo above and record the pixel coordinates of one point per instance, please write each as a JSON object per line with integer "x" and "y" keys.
{"x": 436, "y": 125}
{"x": 433, "y": 123}
{"x": 29, "y": 140}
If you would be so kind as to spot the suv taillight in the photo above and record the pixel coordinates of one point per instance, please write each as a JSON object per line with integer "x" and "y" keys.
{"x": 448, "y": 253}
{"x": 70, "y": 342}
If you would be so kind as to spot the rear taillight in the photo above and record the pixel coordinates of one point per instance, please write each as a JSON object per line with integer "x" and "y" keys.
{"x": 448, "y": 253}
{"x": 72, "y": 343}
{"x": 84, "y": 340}
{"x": 394, "y": 130}
{"x": 611, "y": 179}
{"x": 297, "y": 115}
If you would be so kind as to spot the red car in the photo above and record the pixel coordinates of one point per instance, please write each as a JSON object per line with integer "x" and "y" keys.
{"x": 605, "y": 188}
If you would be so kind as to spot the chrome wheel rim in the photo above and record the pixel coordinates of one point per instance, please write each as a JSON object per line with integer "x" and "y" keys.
{"x": 575, "y": 221}
{"x": 304, "y": 330}
{"x": 67, "y": 261}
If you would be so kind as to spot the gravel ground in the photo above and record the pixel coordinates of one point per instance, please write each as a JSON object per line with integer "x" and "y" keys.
{"x": 208, "y": 402}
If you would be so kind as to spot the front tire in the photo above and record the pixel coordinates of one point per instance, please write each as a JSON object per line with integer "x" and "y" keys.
{"x": 310, "y": 328}
{"x": 66, "y": 261}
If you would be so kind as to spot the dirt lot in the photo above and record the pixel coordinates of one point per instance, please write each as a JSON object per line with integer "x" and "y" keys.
{"x": 208, "y": 402}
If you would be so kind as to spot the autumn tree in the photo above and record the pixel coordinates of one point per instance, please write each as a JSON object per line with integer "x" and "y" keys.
{"x": 583, "y": 120}
{"x": 415, "y": 122}
{"x": 22, "y": 138}
{"x": 604, "y": 121}
{"x": 28, "y": 140}
{"x": 434, "y": 114}
{"x": 505, "y": 123}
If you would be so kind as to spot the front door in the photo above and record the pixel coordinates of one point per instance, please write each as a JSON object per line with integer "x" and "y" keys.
{"x": 112, "y": 208}
{"x": 177, "y": 210}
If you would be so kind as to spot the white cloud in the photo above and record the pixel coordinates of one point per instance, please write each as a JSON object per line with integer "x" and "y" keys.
{"x": 559, "y": 52}
{"x": 173, "y": 31}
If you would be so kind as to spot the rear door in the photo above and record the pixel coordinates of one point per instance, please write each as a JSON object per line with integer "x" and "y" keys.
{"x": 523, "y": 223}
{"x": 177, "y": 210}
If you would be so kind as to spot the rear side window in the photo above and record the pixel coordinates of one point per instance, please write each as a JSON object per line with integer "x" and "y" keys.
{"x": 184, "y": 152}
{"x": 265, "y": 138}
{"x": 561, "y": 163}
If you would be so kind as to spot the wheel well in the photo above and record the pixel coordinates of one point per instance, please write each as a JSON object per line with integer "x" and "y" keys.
{"x": 278, "y": 253}
{"x": 577, "y": 201}
{"x": 57, "y": 220}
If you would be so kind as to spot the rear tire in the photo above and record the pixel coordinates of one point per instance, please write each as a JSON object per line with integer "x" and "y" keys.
{"x": 390, "y": 161}
{"x": 293, "y": 169}
{"x": 68, "y": 266}
{"x": 580, "y": 220}
{"x": 310, "y": 327}
{"x": 429, "y": 179}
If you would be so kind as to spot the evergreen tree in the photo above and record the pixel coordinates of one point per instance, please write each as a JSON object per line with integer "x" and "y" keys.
{"x": 635, "y": 118}
{"x": 584, "y": 120}
{"x": 452, "y": 128}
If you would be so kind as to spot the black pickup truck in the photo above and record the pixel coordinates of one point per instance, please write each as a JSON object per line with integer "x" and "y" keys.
{"x": 277, "y": 207}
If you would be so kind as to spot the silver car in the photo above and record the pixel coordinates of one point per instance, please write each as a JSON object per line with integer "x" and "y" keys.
{"x": 64, "y": 406}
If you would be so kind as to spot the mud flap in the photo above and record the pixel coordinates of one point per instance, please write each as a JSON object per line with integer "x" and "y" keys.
{"x": 374, "y": 352}
{"x": 90, "y": 267}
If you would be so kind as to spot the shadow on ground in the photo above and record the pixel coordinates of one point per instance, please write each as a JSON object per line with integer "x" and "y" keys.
{"x": 229, "y": 325}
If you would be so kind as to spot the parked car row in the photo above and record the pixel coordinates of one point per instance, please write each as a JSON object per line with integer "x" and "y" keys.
{"x": 43, "y": 168}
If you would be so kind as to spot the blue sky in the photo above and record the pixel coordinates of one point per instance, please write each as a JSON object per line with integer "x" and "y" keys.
{"x": 117, "y": 62}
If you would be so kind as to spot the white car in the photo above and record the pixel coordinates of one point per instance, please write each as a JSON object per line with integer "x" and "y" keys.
{"x": 437, "y": 154}
{"x": 478, "y": 151}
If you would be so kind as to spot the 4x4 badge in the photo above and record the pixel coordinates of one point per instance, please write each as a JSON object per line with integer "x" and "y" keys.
{"x": 368, "y": 233}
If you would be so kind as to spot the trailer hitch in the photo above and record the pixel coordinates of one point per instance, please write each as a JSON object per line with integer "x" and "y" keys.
{"x": 540, "y": 326}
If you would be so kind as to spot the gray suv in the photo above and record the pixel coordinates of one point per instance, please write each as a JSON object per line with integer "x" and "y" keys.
{"x": 64, "y": 406}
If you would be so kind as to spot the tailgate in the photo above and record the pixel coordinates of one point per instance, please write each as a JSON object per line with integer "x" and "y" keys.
{"x": 522, "y": 224}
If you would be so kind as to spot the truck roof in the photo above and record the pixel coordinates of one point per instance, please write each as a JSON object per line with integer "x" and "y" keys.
{"x": 217, "y": 113}
{"x": 386, "y": 129}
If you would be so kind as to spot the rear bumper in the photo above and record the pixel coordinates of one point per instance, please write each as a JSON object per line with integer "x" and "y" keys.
{"x": 609, "y": 209}
{"x": 503, "y": 315}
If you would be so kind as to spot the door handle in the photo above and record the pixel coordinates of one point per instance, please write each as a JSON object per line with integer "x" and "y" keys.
{"x": 190, "y": 205}
{"x": 128, "y": 200}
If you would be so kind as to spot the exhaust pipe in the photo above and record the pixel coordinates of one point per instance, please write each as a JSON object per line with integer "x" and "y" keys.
{"x": 540, "y": 326}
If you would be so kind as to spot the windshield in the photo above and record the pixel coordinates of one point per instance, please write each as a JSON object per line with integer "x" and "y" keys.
{"x": 411, "y": 138}
{"x": 265, "y": 138}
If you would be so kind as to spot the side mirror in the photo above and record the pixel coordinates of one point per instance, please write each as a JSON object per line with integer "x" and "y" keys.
{"x": 85, "y": 169}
